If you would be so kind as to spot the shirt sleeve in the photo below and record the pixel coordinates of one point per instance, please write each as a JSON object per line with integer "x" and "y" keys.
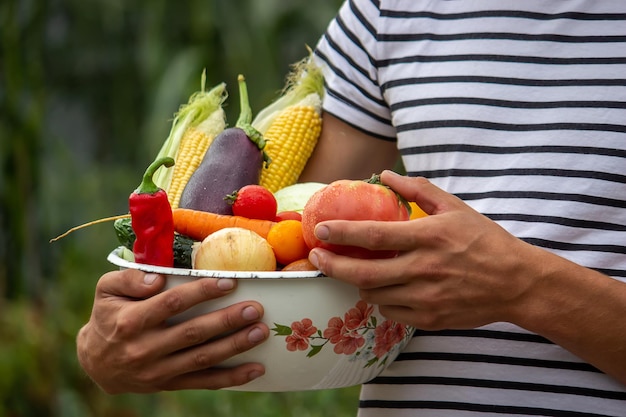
{"x": 347, "y": 55}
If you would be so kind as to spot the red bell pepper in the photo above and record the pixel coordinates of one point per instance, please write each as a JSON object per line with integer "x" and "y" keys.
{"x": 151, "y": 220}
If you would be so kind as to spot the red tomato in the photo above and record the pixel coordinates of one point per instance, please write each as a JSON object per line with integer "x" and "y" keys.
{"x": 288, "y": 215}
{"x": 254, "y": 202}
{"x": 351, "y": 200}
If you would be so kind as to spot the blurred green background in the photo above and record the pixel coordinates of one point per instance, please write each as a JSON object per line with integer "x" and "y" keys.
{"x": 87, "y": 93}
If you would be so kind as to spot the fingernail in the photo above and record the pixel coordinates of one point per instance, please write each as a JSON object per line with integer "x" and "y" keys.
{"x": 250, "y": 313}
{"x": 225, "y": 284}
{"x": 254, "y": 375}
{"x": 314, "y": 259}
{"x": 149, "y": 279}
{"x": 256, "y": 335}
{"x": 322, "y": 232}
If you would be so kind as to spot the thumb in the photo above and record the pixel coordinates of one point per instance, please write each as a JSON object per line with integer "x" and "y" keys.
{"x": 428, "y": 196}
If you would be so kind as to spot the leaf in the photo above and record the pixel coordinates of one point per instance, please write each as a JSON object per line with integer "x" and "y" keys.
{"x": 374, "y": 321}
{"x": 384, "y": 361}
{"x": 281, "y": 330}
{"x": 314, "y": 351}
{"x": 371, "y": 362}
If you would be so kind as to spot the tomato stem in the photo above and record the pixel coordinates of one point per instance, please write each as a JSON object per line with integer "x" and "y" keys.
{"x": 375, "y": 179}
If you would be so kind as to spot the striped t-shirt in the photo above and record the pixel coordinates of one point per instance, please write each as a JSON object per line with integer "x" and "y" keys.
{"x": 518, "y": 108}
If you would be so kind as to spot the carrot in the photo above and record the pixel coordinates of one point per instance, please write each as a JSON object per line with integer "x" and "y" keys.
{"x": 199, "y": 224}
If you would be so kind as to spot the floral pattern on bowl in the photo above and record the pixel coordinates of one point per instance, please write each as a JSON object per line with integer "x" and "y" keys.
{"x": 358, "y": 335}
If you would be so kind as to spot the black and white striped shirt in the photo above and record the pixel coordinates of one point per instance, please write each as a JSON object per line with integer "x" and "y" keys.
{"x": 519, "y": 108}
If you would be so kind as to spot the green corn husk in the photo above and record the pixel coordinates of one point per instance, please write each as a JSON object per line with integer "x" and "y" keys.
{"x": 203, "y": 111}
{"x": 305, "y": 79}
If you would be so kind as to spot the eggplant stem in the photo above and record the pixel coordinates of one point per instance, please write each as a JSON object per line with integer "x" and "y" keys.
{"x": 244, "y": 122}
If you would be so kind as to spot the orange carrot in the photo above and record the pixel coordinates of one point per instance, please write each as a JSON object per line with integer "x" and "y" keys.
{"x": 199, "y": 224}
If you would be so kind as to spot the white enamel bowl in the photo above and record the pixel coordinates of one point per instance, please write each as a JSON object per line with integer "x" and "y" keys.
{"x": 322, "y": 335}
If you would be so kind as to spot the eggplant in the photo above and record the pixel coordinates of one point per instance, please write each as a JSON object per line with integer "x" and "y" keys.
{"x": 234, "y": 159}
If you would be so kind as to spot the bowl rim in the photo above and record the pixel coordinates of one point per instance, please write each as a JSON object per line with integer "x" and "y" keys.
{"x": 115, "y": 258}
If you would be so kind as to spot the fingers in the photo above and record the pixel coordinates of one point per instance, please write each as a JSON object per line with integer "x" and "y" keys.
{"x": 402, "y": 236}
{"x": 428, "y": 196}
{"x": 126, "y": 346}
{"x": 137, "y": 318}
{"x": 216, "y": 378}
{"x": 166, "y": 304}
{"x": 188, "y": 335}
{"x": 185, "y": 368}
{"x": 211, "y": 354}
{"x": 373, "y": 235}
{"x": 362, "y": 273}
{"x": 185, "y": 356}
{"x": 205, "y": 327}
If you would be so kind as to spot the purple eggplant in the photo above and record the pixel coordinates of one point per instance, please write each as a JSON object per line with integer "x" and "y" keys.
{"x": 234, "y": 159}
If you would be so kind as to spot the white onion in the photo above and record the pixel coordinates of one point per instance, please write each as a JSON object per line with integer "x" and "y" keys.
{"x": 234, "y": 249}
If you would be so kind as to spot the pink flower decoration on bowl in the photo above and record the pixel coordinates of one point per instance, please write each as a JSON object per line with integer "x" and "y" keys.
{"x": 301, "y": 331}
{"x": 357, "y": 334}
{"x": 387, "y": 335}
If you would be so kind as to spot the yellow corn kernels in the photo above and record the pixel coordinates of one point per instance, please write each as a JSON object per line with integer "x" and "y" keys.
{"x": 291, "y": 138}
{"x": 291, "y": 125}
{"x": 193, "y": 146}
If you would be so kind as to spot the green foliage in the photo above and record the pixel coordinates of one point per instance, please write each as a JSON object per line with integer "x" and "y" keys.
{"x": 87, "y": 95}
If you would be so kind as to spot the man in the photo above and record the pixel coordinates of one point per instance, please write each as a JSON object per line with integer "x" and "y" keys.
{"x": 510, "y": 116}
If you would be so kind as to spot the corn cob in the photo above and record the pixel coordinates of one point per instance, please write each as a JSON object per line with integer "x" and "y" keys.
{"x": 193, "y": 145}
{"x": 291, "y": 126}
{"x": 291, "y": 139}
{"x": 195, "y": 126}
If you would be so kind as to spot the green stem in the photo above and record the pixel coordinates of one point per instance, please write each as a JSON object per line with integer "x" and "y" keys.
{"x": 245, "y": 115}
{"x": 244, "y": 122}
{"x": 375, "y": 179}
{"x": 147, "y": 185}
